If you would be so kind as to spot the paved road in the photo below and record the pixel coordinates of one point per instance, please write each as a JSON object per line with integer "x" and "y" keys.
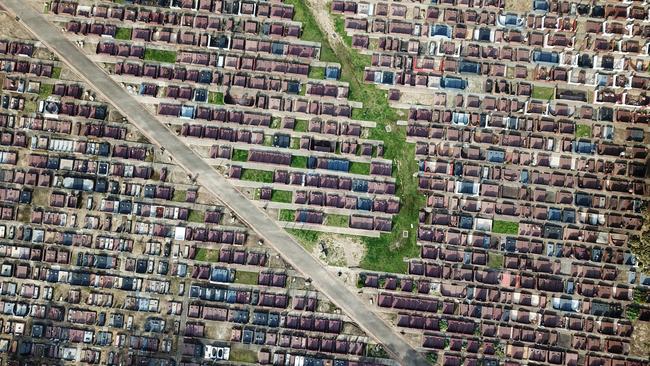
{"x": 158, "y": 133}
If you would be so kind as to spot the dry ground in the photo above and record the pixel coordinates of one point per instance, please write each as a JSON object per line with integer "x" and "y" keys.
{"x": 342, "y": 251}
{"x": 519, "y": 6}
{"x": 11, "y": 29}
{"x": 640, "y": 345}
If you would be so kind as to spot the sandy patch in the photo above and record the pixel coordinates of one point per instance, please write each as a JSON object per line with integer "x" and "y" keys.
{"x": 67, "y": 74}
{"x": 519, "y": 6}
{"x": 11, "y": 29}
{"x": 640, "y": 345}
{"x": 320, "y": 10}
{"x": 418, "y": 97}
{"x": 339, "y": 251}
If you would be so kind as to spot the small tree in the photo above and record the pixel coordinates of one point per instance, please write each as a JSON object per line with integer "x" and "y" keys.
{"x": 443, "y": 325}
{"x": 632, "y": 312}
{"x": 499, "y": 351}
{"x": 446, "y": 345}
{"x": 477, "y": 329}
{"x": 361, "y": 280}
{"x": 432, "y": 357}
{"x": 640, "y": 295}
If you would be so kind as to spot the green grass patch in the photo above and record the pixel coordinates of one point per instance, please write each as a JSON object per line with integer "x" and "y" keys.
{"x": 583, "y": 131}
{"x": 640, "y": 295}
{"x": 543, "y": 92}
{"x": 339, "y": 26}
{"x": 45, "y": 90}
{"x": 495, "y": 260}
{"x": 505, "y": 227}
{"x": 56, "y": 72}
{"x": 268, "y": 140}
{"x": 281, "y": 196}
{"x": 432, "y": 357}
{"x": 301, "y": 125}
{"x": 215, "y": 98}
{"x": 359, "y": 168}
{"x": 337, "y": 220}
{"x": 123, "y": 33}
{"x": 298, "y": 161}
{"x": 242, "y": 355}
{"x": 152, "y": 54}
{"x": 246, "y": 278}
{"x": 308, "y": 238}
{"x": 310, "y": 30}
{"x": 316, "y": 72}
{"x": 276, "y": 122}
{"x": 255, "y": 175}
{"x": 295, "y": 143}
{"x": 179, "y": 195}
{"x": 287, "y": 215}
{"x": 206, "y": 255}
{"x": 196, "y": 216}
{"x": 240, "y": 155}
{"x": 30, "y": 106}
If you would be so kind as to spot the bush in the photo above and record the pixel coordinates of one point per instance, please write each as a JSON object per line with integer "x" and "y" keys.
{"x": 499, "y": 350}
{"x": 632, "y": 311}
{"x": 640, "y": 295}
{"x": 443, "y": 325}
{"x": 432, "y": 357}
{"x": 215, "y": 98}
{"x": 361, "y": 280}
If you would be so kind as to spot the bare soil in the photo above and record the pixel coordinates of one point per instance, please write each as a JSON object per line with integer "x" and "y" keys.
{"x": 342, "y": 251}
{"x": 640, "y": 345}
{"x": 323, "y": 18}
{"x": 519, "y": 6}
{"x": 11, "y": 29}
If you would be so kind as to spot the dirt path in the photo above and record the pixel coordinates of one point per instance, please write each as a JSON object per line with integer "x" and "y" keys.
{"x": 10, "y": 28}
{"x": 321, "y": 13}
